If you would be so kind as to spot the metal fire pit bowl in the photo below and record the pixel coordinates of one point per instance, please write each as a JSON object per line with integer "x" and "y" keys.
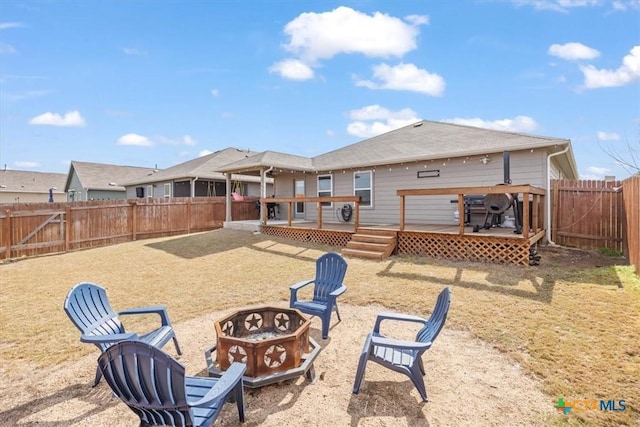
{"x": 273, "y": 342}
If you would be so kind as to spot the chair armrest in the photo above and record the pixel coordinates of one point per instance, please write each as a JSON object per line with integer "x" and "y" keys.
{"x": 338, "y": 291}
{"x": 300, "y": 284}
{"x": 396, "y": 316}
{"x": 294, "y": 290}
{"x": 400, "y": 344}
{"x": 98, "y": 339}
{"x": 224, "y": 385}
{"x": 160, "y": 310}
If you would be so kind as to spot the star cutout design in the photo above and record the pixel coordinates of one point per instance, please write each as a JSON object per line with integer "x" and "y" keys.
{"x": 282, "y": 321}
{"x": 254, "y": 321}
{"x": 237, "y": 354}
{"x": 274, "y": 356}
{"x": 228, "y": 328}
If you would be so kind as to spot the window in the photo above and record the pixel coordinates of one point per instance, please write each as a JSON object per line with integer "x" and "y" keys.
{"x": 149, "y": 190}
{"x": 167, "y": 190}
{"x": 325, "y": 187}
{"x": 363, "y": 187}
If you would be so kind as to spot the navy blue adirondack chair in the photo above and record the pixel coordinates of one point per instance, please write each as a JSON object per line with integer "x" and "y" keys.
{"x": 88, "y": 308}
{"x": 327, "y": 286}
{"x": 401, "y": 356}
{"x": 154, "y": 386}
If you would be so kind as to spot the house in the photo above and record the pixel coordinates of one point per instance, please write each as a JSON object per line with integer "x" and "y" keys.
{"x": 31, "y": 187}
{"x": 197, "y": 178}
{"x": 424, "y": 155}
{"x": 98, "y": 181}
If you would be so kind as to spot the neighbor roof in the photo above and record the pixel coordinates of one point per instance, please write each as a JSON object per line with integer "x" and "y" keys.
{"x": 204, "y": 167}
{"x": 31, "y": 182}
{"x": 423, "y": 140}
{"x": 100, "y": 176}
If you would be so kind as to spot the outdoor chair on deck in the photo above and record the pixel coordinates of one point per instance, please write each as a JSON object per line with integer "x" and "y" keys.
{"x": 327, "y": 286}
{"x": 88, "y": 308}
{"x": 154, "y": 386}
{"x": 404, "y": 357}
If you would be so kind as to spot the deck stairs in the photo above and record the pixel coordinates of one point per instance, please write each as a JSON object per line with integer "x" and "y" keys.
{"x": 371, "y": 243}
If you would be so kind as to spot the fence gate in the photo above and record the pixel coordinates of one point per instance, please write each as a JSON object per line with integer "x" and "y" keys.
{"x": 32, "y": 232}
{"x": 588, "y": 214}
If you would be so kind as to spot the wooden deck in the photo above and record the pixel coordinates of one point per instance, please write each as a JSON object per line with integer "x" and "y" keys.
{"x": 495, "y": 244}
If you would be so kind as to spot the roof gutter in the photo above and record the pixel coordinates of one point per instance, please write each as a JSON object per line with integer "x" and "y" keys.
{"x": 548, "y": 197}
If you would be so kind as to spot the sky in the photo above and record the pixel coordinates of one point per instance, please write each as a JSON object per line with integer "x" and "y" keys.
{"x": 156, "y": 83}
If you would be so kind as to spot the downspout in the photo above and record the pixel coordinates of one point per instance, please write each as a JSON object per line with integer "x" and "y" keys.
{"x": 263, "y": 182}
{"x": 548, "y": 204}
{"x": 193, "y": 186}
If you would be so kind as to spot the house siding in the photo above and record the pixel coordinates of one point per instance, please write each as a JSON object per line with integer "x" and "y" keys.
{"x": 526, "y": 167}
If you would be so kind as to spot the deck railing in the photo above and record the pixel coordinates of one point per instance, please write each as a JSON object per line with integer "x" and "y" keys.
{"x": 289, "y": 202}
{"x": 535, "y": 224}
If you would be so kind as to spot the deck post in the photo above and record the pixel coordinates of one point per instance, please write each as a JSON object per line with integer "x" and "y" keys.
{"x": 402, "y": 213}
{"x": 319, "y": 215}
{"x": 525, "y": 215}
{"x": 356, "y": 215}
{"x": 461, "y": 214}
{"x": 289, "y": 213}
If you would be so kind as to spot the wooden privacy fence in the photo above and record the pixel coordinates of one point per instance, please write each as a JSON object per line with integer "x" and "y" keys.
{"x": 631, "y": 199}
{"x": 44, "y": 228}
{"x": 588, "y": 214}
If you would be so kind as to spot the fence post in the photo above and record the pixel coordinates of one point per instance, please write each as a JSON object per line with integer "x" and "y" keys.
{"x": 134, "y": 221}
{"x": 67, "y": 228}
{"x": 189, "y": 216}
{"x": 7, "y": 234}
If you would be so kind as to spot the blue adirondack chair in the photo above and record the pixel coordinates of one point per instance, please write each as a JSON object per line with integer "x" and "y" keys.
{"x": 154, "y": 386}
{"x": 88, "y": 308}
{"x": 401, "y": 356}
{"x": 327, "y": 286}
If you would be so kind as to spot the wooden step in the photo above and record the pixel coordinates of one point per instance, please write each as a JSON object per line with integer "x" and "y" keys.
{"x": 376, "y": 231}
{"x": 362, "y": 253}
{"x": 373, "y": 238}
{"x": 368, "y": 246}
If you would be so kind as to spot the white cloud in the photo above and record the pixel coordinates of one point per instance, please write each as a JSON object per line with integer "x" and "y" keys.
{"x": 517, "y": 124}
{"x": 330, "y": 133}
{"x": 7, "y": 48}
{"x": 215, "y": 92}
{"x": 27, "y": 95}
{"x": 204, "y": 153}
{"x": 7, "y": 25}
{"x": 315, "y": 36}
{"x": 573, "y": 51}
{"x": 133, "y": 51}
{"x": 418, "y": 19}
{"x": 70, "y": 119}
{"x": 556, "y": 5}
{"x": 26, "y": 165}
{"x": 623, "y": 5}
{"x": 598, "y": 170}
{"x": 183, "y": 140}
{"x": 604, "y": 136}
{"x": 292, "y": 69}
{"x": 374, "y": 120}
{"x": 628, "y": 72}
{"x": 405, "y": 77}
{"x": 134, "y": 139}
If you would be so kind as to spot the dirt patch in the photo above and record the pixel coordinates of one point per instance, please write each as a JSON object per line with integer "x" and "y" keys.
{"x": 468, "y": 382}
{"x": 577, "y": 258}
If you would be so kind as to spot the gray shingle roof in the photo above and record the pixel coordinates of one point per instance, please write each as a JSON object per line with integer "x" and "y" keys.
{"x": 98, "y": 176}
{"x": 205, "y": 167}
{"x": 32, "y": 182}
{"x": 424, "y": 140}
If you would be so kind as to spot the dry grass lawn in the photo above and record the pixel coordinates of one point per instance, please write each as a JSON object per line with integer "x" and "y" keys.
{"x": 567, "y": 328}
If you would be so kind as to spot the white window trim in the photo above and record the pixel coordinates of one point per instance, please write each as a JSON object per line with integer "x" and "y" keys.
{"x": 167, "y": 190}
{"x": 149, "y": 191}
{"x": 370, "y": 188}
{"x": 324, "y": 191}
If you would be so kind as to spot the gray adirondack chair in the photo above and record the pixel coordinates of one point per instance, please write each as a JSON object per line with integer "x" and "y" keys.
{"x": 88, "y": 308}
{"x": 327, "y": 286}
{"x": 401, "y": 356}
{"x": 154, "y": 386}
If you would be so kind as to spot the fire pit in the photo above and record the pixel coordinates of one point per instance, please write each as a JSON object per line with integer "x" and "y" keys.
{"x": 273, "y": 342}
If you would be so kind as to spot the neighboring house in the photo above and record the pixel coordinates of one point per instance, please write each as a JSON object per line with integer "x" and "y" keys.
{"x": 196, "y": 178}
{"x": 98, "y": 181}
{"x": 31, "y": 187}
{"x": 426, "y": 154}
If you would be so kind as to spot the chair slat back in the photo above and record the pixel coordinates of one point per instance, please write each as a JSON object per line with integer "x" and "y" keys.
{"x": 88, "y": 308}
{"x": 436, "y": 321}
{"x": 149, "y": 381}
{"x": 330, "y": 271}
